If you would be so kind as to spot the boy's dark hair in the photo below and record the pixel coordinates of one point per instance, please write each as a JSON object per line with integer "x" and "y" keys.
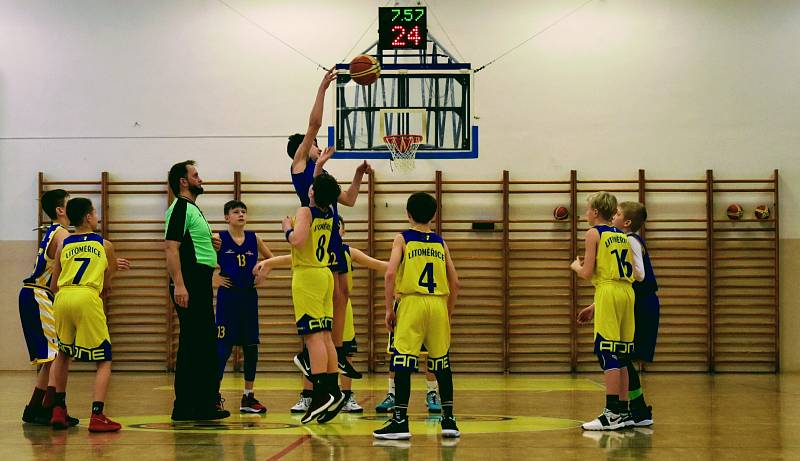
{"x": 635, "y": 212}
{"x": 53, "y": 199}
{"x": 234, "y": 204}
{"x": 77, "y": 209}
{"x": 178, "y": 171}
{"x": 326, "y": 190}
{"x": 294, "y": 142}
{"x": 422, "y": 207}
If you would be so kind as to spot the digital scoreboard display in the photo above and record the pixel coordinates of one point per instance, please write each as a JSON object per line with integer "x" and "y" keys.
{"x": 402, "y": 28}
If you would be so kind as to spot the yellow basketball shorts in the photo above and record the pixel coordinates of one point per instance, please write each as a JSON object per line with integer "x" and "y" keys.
{"x": 614, "y": 323}
{"x": 349, "y": 342}
{"x": 81, "y": 324}
{"x": 312, "y": 297}
{"x": 421, "y": 320}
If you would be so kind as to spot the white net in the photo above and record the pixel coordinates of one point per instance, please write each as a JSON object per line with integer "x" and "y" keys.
{"x": 404, "y": 150}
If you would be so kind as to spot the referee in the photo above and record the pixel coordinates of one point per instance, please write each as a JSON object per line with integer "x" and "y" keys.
{"x": 191, "y": 260}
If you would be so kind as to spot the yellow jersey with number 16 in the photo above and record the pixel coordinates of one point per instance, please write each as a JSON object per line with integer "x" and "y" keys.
{"x": 314, "y": 252}
{"x": 83, "y": 262}
{"x": 614, "y": 259}
{"x": 423, "y": 269}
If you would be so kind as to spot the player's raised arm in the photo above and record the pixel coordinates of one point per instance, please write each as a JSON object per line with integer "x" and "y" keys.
{"x": 363, "y": 259}
{"x": 297, "y": 235}
{"x": 452, "y": 281}
{"x": 585, "y": 269}
{"x": 349, "y": 197}
{"x": 398, "y": 247}
{"x": 56, "y": 267}
{"x": 314, "y": 124}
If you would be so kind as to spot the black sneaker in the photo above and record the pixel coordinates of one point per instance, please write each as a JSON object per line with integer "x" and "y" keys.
{"x": 211, "y": 414}
{"x": 32, "y": 415}
{"x": 319, "y": 403}
{"x": 642, "y": 417}
{"x": 333, "y": 409}
{"x": 303, "y": 363}
{"x": 345, "y": 366}
{"x": 42, "y": 416}
{"x": 449, "y": 428}
{"x": 393, "y": 430}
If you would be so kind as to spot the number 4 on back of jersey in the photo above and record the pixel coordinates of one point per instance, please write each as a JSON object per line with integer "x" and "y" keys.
{"x": 426, "y": 278}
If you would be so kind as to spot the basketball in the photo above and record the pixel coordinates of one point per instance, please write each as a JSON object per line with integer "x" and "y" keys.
{"x": 735, "y": 211}
{"x": 561, "y": 213}
{"x": 364, "y": 69}
{"x": 761, "y": 212}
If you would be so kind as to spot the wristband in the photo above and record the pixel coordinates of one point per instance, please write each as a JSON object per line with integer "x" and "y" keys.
{"x": 287, "y": 233}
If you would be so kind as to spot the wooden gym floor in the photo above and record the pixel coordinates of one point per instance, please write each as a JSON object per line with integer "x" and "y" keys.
{"x": 698, "y": 417}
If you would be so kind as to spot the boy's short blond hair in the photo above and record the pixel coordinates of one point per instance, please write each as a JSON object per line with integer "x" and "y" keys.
{"x": 604, "y": 203}
{"x": 635, "y": 212}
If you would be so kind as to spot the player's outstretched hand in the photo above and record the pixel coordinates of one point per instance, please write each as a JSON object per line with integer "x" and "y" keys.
{"x": 123, "y": 264}
{"x": 330, "y": 76}
{"x": 586, "y": 315}
{"x": 181, "y": 296}
{"x": 326, "y": 155}
{"x": 364, "y": 168}
{"x": 391, "y": 320}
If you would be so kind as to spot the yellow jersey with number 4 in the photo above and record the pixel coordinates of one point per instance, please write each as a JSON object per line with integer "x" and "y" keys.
{"x": 423, "y": 269}
{"x": 83, "y": 262}
{"x": 314, "y": 252}
{"x": 614, "y": 259}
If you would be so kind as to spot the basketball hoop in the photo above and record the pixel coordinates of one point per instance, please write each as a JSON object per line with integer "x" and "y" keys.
{"x": 404, "y": 150}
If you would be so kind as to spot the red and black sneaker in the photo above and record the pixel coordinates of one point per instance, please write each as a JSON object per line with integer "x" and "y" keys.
{"x": 251, "y": 405}
{"x": 100, "y": 423}
{"x": 59, "y": 418}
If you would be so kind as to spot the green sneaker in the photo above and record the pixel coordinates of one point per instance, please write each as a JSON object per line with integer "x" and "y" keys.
{"x": 387, "y": 404}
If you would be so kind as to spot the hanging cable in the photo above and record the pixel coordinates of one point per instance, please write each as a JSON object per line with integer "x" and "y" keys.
{"x": 436, "y": 18}
{"x": 263, "y": 29}
{"x": 540, "y": 32}
{"x": 347, "y": 55}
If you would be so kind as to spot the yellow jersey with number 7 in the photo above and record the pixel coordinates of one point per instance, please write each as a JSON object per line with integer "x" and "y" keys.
{"x": 423, "y": 269}
{"x": 83, "y": 262}
{"x": 614, "y": 259}
{"x": 314, "y": 252}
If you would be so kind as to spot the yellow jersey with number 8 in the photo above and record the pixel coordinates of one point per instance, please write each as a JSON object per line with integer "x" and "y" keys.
{"x": 83, "y": 262}
{"x": 314, "y": 252}
{"x": 614, "y": 259}
{"x": 423, "y": 269}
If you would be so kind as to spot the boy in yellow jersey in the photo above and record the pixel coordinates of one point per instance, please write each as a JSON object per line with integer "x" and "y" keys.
{"x": 352, "y": 255}
{"x": 422, "y": 274}
{"x": 80, "y": 275}
{"x": 608, "y": 263}
{"x": 309, "y": 234}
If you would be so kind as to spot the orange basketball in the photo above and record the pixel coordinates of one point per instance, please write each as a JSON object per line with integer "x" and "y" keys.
{"x": 561, "y": 213}
{"x": 365, "y": 69}
{"x": 735, "y": 211}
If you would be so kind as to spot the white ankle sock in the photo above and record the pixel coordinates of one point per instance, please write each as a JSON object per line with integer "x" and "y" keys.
{"x": 391, "y": 386}
{"x": 248, "y": 392}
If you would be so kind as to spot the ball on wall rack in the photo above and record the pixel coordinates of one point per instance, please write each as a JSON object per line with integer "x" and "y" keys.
{"x": 561, "y": 213}
{"x": 735, "y": 211}
{"x": 761, "y": 212}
